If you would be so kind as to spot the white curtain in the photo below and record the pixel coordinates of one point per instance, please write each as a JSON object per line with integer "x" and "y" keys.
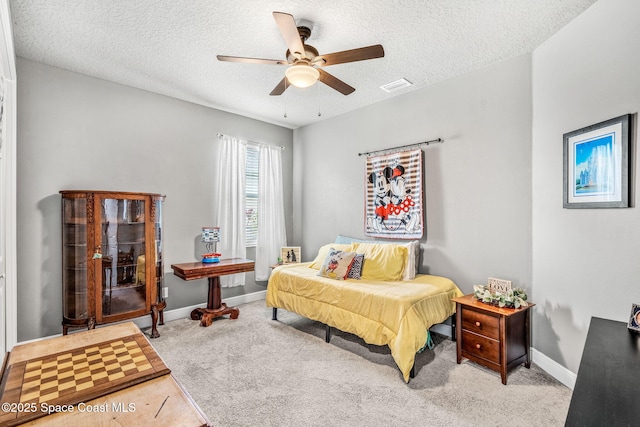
{"x": 272, "y": 234}
{"x": 230, "y": 204}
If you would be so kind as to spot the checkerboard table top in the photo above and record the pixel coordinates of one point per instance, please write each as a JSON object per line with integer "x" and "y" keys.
{"x": 67, "y": 373}
{"x": 77, "y": 375}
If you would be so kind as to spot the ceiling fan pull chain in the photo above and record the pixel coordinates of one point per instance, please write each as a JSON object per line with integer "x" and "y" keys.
{"x": 285, "y": 98}
{"x": 318, "y": 96}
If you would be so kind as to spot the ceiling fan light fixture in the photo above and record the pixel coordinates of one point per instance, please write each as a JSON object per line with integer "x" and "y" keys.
{"x": 302, "y": 75}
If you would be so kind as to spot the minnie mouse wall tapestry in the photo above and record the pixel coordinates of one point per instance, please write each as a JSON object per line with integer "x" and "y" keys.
{"x": 393, "y": 196}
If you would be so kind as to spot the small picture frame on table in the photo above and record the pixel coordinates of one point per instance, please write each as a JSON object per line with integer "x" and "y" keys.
{"x": 290, "y": 254}
{"x": 634, "y": 319}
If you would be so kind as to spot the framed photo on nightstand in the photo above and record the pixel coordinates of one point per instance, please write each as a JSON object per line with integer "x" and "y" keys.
{"x": 290, "y": 254}
{"x": 634, "y": 319}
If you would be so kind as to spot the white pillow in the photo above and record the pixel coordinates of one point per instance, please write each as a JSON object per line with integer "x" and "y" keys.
{"x": 413, "y": 258}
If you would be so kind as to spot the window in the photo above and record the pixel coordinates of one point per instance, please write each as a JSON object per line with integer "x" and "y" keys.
{"x": 251, "y": 195}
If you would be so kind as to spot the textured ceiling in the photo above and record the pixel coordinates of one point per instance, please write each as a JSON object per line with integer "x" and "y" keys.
{"x": 170, "y": 47}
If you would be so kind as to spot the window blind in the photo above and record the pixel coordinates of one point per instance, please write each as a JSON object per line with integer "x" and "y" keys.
{"x": 251, "y": 196}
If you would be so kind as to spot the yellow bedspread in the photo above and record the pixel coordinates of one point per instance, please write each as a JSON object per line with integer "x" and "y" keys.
{"x": 396, "y": 314}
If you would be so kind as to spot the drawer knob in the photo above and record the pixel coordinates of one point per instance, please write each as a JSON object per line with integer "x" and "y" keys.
{"x": 478, "y": 346}
{"x": 477, "y": 323}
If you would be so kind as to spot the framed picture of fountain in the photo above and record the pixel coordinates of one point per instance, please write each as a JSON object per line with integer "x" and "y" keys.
{"x": 596, "y": 165}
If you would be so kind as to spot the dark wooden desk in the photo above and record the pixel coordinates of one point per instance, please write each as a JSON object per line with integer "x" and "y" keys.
{"x": 607, "y": 387}
{"x": 212, "y": 271}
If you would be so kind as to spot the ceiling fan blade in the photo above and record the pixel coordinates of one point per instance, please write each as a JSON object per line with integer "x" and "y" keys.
{"x": 289, "y": 30}
{"x": 251, "y": 60}
{"x": 335, "y": 83}
{"x": 353, "y": 55}
{"x": 280, "y": 88}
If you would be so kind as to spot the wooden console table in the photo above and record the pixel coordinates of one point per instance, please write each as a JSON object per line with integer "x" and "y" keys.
{"x": 212, "y": 271}
{"x": 606, "y": 390}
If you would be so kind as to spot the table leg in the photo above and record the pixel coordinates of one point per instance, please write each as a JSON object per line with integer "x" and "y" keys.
{"x": 215, "y": 307}
{"x": 156, "y": 309}
{"x": 214, "y": 300}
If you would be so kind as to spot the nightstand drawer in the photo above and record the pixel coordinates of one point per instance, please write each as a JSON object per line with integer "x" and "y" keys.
{"x": 480, "y": 346}
{"x": 480, "y": 323}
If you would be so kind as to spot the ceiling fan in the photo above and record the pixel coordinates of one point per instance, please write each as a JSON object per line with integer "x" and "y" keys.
{"x": 305, "y": 64}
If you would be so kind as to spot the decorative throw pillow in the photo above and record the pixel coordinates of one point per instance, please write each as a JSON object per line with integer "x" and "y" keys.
{"x": 337, "y": 264}
{"x": 355, "y": 271}
{"x": 324, "y": 251}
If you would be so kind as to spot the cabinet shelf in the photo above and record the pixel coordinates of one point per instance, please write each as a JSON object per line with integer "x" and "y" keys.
{"x": 123, "y": 223}
{"x": 109, "y": 267}
{"x": 124, "y": 243}
{"x": 75, "y": 221}
{"x": 122, "y": 287}
{"x": 123, "y": 284}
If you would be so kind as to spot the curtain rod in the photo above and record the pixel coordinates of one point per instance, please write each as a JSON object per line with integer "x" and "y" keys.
{"x": 258, "y": 143}
{"x": 402, "y": 146}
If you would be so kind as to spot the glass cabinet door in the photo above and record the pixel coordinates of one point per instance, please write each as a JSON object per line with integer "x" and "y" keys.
{"x": 74, "y": 272}
{"x": 158, "y": 248}
{"x": 123, "y": 245}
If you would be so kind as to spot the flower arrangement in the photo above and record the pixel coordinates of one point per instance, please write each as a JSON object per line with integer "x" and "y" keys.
{"x": 514, "y": 298}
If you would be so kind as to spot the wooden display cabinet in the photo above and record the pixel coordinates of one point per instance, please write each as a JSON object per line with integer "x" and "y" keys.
{"x": 111, "y": 258}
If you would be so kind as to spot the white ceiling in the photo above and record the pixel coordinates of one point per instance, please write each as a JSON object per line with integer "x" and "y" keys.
{"x": 169, "y": 47}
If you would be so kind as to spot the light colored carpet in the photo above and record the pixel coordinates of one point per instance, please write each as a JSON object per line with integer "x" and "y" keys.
{"x": 253, "y": 371}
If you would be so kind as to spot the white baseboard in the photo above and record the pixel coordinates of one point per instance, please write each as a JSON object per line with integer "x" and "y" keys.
{"x": 554, "y": 369}
{"x": 547, "y": 364}
{"x": 181, "y": 313}
{"x": 169, "y": 315}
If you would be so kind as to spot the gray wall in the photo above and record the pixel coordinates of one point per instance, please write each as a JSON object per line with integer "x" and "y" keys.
{"x": 493, "y": 190}
{"x": 77, "y": 132}
{"x": 585, "y": 261}
{"x": 477, "y": 183}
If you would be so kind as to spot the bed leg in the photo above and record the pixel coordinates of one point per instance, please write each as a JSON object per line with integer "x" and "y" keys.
{"x": 453, "y": 327}
{"x": 274, "y": 314}
{"x": 327, "y": 334}
{"x": 412, "y": 373}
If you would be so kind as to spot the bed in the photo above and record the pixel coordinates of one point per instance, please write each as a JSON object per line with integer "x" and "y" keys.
{"x": 387, "y": 305}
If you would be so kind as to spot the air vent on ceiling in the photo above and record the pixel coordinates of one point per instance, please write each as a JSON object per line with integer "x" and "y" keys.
{"x": 397, "y": 85}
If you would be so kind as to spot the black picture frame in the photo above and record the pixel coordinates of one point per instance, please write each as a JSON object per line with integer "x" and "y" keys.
{"x": 596, "y": 165}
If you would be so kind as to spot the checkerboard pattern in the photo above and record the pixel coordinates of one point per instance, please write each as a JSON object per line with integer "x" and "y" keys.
{"x": 52, "y": 377}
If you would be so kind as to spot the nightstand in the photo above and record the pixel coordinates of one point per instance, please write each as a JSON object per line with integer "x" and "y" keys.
{"x": 498, "y": 338}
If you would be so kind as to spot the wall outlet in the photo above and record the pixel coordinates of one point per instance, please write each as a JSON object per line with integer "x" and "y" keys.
{"x": 165, "y": 292}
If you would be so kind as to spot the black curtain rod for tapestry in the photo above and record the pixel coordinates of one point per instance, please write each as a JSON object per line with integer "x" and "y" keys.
{"x": 258, "y": 143}
{"x": 417, "y": 144}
